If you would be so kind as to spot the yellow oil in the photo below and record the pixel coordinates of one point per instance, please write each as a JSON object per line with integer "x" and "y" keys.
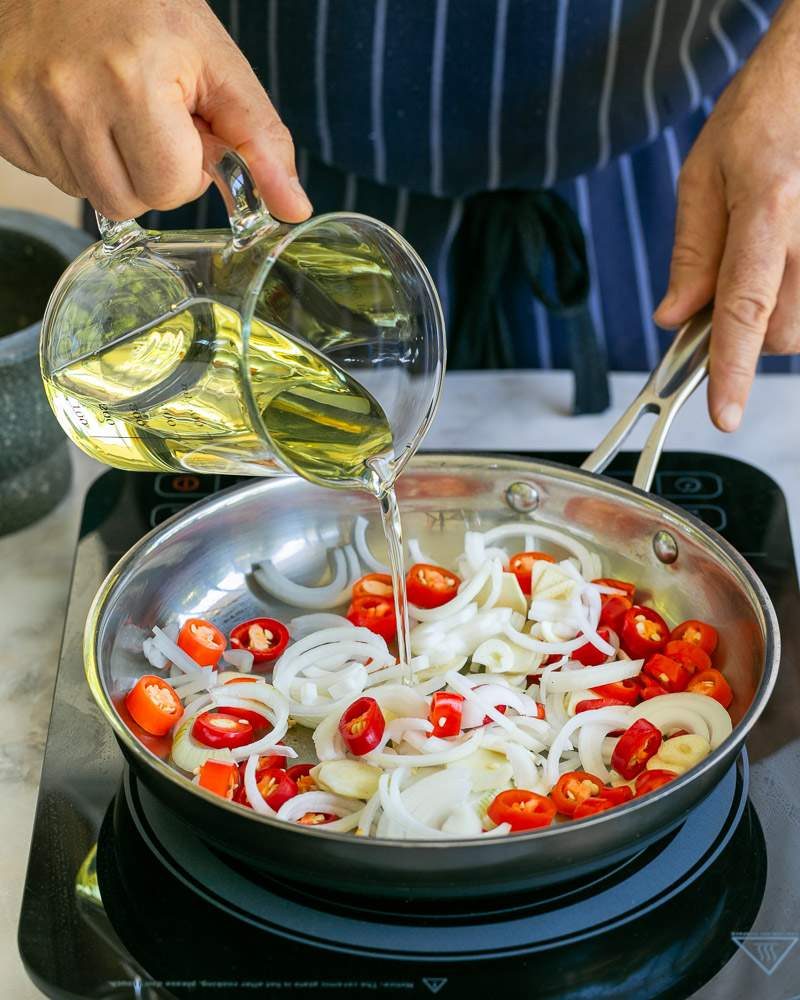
{"x": 172, "y": 395}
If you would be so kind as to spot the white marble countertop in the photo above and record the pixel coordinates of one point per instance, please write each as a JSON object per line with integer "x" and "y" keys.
{"x": 506, "y": 411}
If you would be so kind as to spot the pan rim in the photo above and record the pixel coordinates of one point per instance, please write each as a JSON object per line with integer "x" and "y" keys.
{"x": 235, "y": 493}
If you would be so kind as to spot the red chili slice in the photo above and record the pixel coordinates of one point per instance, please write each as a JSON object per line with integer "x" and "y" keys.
{"x": 430, "y": 586}
{"x": 259, "y": 722}
{"x": 591, "y": 704}
{"x": 521, "y": 809}
{"x": 276, "y": 786}
{"x": 265, "y": 638}
{"x": 589, "y": 655}
{"x": 617, "y": 794}
{"x": 671, "y": 675}
{"x": 713, "y": 684}
{"x": 301, "y": 775}
{"x": 572, "y": 788}
{"x": 699, "y": 633}
{"x": 614, "y": 610}
{"x": 626, "y": 691}
{"x": 266, "y": 762}
{"x": 220, "y": 730}
{"x": 635, "y": 747}
{"x": 362, "y": 724}
{"x": 201, "y": 640}
{"x": 643, "y": 632}
{"x": 607, "y": 799}
{"x": 445, "y": 714}
{"x": 521, "y": 565}
{"x": 154, "y": 705}
{"x": 649, "y": 688}
{"x": 219, "y": 777}
{"x": 692, "y": 657}
{"x": 649, "y": 781}
{"x": 373, "y": 585}
{"x": 375, "y": 613}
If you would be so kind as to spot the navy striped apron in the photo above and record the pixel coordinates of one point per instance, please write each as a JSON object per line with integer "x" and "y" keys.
{"x": 406, "y": 109}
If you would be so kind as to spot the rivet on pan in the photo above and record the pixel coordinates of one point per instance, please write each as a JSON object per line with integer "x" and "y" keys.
{"x": 665, "y": 547}
{"x": 522, "y": 497}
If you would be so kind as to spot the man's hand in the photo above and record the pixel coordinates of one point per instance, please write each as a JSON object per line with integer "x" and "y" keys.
{"x": 737, "y": 238}
{"x": 99, "y": 97}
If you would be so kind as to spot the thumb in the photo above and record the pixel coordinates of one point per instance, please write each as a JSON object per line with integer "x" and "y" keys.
{"x": 700, "y": 229}
{"x": 238, "y": 111}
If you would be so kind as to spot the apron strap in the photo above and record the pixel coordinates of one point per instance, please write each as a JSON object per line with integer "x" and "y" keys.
{"x": 540, "y": 229}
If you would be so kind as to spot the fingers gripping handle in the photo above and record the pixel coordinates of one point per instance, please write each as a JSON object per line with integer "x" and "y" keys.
{"x": 247, "y": 213}
{"x": 680, "y": 371}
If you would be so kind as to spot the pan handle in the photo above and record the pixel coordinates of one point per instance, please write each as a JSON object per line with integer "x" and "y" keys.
{"x": 680, "y": 371}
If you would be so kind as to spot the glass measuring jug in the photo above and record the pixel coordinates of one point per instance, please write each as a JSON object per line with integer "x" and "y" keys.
{"x": 268, "y": 348}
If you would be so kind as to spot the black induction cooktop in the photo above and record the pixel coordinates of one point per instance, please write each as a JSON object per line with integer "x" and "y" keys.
{"x": 122, "y": 900}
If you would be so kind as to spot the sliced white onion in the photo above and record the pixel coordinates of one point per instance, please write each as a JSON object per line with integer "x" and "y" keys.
{"x": 174, "y": 652}
{"x": 495, "y": 585}
{"x": 254, "y": 796}
{"x": 200, "y": 704}
{"x": 592, "y": 677}
{"x": 327, "y": 637}
{"x": 496, "y": 655}
{"x": 665, "y": 711}
{"x": 189, "y": 755}
{"x": 317, "y": 802}
{"x": 153, "y": 654}
{"x": 434, "y": 798}
{"x": 467, "y": 593}
{"x": 474, "y": 551}
{"x": 525, "y": 771}
{"x": 591, "y": 740}
{"x": 620, "y": 718}
{"x": 314, "y": 598}
{"x": 463, "y": 687}
{"x": 553, "y": 632}
{"x": 416, "y": 553}
{"x": 305, "y": 625}
{"x": 457, "y": 751}
{"x": 397, "y": 728}
{"x": 540, "y": 646}
{"x": 192, "y": 685}
{"x": 492, "y": 695}
{"x": 328, "y": 740}
{"x": 367, "y": 815}
{"x": 351, "y": 682}
{"x": 362, "y": 548}
{"x": 308, "y": 693}
{"x": 589, "y": 562}
{"x": 400, "y": 700}
{"x": 277, "y": 711}
{"x": 242, "y": 659}
{"x": 463, "y": 821}
{"x": 412, "y": 730}
{"x": 345, "y": 823}
{"x": 501, "y": 830}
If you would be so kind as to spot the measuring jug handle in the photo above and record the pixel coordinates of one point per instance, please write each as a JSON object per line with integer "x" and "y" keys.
{"x": 247, "y": 213}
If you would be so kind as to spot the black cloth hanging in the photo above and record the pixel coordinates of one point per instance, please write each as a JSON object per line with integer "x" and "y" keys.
{"x": 541, "y": 228}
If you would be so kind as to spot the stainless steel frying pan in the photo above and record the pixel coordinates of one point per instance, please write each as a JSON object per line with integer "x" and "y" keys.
{"x": 199, "y": 563}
